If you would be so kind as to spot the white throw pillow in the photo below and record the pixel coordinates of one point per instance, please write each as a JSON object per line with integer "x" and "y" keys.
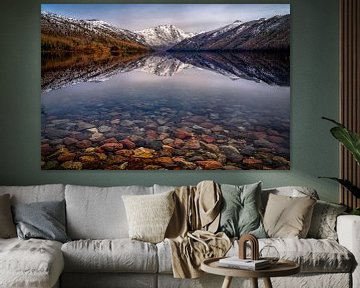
{"x": 149, "y": 215}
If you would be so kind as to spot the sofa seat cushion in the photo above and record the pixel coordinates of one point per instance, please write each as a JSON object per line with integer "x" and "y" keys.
{"x": 30, "y": 263}
{"x": 115, "y": 255}
{"x": 313, "y": 255}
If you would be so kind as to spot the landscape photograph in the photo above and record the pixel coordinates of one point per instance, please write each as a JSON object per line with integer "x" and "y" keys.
{"x": 165, "y": 86}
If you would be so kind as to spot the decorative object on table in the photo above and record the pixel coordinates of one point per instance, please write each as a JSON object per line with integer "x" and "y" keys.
{"x": 351, "y": 142}
{"x": 165, "y": 87}
{"x": 254, "y": 246}
{"x": 270, "y": 253}
{"x": 241, "y": 261}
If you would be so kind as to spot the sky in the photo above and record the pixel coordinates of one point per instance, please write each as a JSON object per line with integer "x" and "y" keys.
{"x": 188, "y": 17}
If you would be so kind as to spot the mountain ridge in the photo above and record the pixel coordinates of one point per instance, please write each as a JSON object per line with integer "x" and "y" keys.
{"x": 64, "y": 34}
{"x": 261, "y": 34}
{"x": 60, "y": 33}
{"x": 163, "y": 36}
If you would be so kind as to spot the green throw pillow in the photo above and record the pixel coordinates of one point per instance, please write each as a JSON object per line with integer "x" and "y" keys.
{"x": 240, "y": 213}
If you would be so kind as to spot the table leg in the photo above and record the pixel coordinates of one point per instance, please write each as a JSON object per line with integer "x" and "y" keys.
{"x": 267, "y": 283}
{"x": 254, "y": 282}
{"x": 227, "y": 282}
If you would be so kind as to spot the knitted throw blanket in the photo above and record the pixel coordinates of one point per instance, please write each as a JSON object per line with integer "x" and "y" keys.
{"x": 191, "y": 231}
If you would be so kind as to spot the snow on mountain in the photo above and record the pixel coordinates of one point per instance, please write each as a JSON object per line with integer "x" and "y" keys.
{"x": 163, "y": 65}
{"x": 164, "y": 36}
{"x": 81, "y": 31}
{"x": 261, "y": 34}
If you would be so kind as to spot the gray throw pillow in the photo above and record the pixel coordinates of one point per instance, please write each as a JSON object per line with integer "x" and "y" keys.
{"x": 323, "y": 222}
{"x": 7, "y": 227}
{"x": 240, "y": 213}
{"x": 43, "y": 220}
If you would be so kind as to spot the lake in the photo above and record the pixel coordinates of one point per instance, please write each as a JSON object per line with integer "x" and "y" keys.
{"x": 171, "y": 111}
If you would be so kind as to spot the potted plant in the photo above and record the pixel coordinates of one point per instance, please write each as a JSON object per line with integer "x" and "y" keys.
{"x": 351, "y": 141}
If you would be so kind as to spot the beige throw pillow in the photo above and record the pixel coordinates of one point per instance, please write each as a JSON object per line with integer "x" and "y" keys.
{"x": 149, "y": 215}
{"x": 288, "y": 217}
{"x": 7, "y": 226}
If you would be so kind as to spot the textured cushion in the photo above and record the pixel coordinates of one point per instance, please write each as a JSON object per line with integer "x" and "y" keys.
{"x": 98, "y": 213}
{"x": 7, "y": 227}
{"x": 35, "y": 193}
{"x": 31, "y": 263}
{"x": 149, "y": 215}
{"x": 117, "y": 255}
{"x": 240, "y": 210}
{"x": 287, "y": 216}
{"x": 313, "y": 255}
{"x": 44, "y": 220}
{"x": 323, "y": 222}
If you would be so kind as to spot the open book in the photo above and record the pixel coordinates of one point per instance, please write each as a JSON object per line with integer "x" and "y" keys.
{"x": 236, "y": 262}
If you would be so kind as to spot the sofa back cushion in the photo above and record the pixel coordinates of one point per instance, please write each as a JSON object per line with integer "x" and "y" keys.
{"x": 98, "y": 212}
{"x": 35, "y": 193}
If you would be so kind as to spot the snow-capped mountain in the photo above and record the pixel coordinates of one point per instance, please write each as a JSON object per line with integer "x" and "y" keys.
{"x": 261, "y": 34}
{"x": 164, "y": 36}
{"x": 63, "y": 33}
{"x": 162, "y": 65}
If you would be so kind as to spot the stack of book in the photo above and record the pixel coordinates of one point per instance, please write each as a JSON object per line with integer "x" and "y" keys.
{"x": 248, "y": 264}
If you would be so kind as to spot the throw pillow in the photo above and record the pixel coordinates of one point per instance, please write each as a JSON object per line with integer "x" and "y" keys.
{"x": 323, "y": 222}
{"x": 43, "y": 220}
{"x": 288, "y": 217}
{"x": 240, "y": 213}
{"x": 149, "y": 215}
{"x": 7, "y": 227}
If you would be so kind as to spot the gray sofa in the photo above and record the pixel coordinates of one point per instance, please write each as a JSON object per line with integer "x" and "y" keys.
{"x": 101, "y": 255}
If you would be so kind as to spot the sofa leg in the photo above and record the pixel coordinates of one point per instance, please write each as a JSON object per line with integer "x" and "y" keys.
{"x": 267, "y": 282}
{"x": 227, "y": 282}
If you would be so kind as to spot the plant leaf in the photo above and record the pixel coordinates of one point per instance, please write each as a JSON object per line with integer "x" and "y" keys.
{"x": 348, "y": 138}
{"x": 347, "y": 184}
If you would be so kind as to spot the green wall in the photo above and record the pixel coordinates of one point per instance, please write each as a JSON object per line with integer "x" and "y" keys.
{"x": 314, "y": 93}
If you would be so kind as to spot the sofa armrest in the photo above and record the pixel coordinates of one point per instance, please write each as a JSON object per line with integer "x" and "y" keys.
{"x": 348, "y": 230}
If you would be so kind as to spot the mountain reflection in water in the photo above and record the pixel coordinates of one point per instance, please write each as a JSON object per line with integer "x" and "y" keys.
{"x": 166, "y": 111}
{"x": 68, "y": 69}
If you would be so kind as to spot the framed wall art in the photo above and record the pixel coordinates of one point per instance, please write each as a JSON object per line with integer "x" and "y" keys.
{"x": 165, "y": 86}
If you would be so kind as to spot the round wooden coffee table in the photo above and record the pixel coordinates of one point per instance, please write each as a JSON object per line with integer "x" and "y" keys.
{"x": 281, "y": 268}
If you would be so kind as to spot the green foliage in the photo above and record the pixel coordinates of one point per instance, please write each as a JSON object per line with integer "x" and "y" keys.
{"x": 355, "y": 211}
{"x": 351, "y": 141}
{"x": 348, "y": 138}
{"x": 347, "y": 184}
